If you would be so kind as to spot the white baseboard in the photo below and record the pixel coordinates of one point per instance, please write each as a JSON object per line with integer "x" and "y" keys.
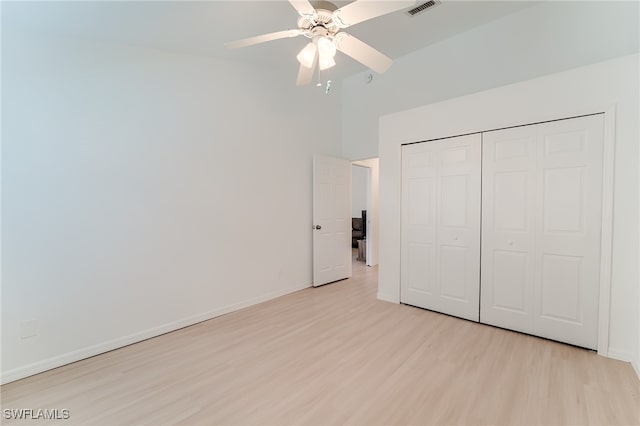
{"x": 77, "y": 355}
{"x": 626, "y": 357}
{"x": 387, "y": 298}
{"x": 619, "y": 355}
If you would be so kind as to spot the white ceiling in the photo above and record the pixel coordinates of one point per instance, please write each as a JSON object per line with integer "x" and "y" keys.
{"x": 202, "y": 27}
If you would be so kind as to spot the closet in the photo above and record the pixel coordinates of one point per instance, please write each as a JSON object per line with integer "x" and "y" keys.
{"x": 503, "y": 227}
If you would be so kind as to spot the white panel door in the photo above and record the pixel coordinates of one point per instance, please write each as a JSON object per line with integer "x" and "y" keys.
{"x": 542, "y": 197}
{"x": 508, "y": 228}
{"x": 331, "y": 219}
{"x": 440, "y": 251}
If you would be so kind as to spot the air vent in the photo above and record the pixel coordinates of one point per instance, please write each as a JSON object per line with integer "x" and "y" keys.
{"x": 423, "y": 7}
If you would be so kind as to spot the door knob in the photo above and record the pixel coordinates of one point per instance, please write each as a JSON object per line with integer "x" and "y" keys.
{"x": 318, "y": 227}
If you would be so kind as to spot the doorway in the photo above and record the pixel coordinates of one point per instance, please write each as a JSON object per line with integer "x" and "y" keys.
{"x": 364, "y": 201}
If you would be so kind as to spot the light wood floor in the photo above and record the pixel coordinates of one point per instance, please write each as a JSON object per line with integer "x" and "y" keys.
{"x": 335, "y": 355}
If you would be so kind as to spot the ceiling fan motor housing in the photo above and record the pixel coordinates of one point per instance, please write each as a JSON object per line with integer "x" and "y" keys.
{"x": 322, "y": 4}
{"x": 323, "y": 18}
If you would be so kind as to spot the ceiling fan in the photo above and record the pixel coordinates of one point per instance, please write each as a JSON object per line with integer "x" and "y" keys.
{"x": 322, "y": 22}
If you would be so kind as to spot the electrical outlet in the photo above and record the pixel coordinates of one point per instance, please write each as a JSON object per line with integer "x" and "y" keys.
{"x": 29, "y": 328}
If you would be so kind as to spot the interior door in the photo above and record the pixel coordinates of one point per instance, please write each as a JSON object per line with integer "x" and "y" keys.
{"x": 331, "y": 219}
{"x": 440, "y": 249}
{"x": 542, "y": 197}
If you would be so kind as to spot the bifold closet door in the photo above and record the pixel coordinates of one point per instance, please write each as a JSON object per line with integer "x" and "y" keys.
{"x": 440, "y": 253}
{"x": 541, "y": 222}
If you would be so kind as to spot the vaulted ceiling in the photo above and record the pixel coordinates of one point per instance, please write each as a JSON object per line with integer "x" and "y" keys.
{"x": 202, "y": 27}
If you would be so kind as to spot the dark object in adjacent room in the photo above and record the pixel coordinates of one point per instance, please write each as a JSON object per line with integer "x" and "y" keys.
{"x": 358, "y": 229}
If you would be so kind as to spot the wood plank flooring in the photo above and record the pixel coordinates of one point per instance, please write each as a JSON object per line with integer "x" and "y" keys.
{"x": 336, "y": 355}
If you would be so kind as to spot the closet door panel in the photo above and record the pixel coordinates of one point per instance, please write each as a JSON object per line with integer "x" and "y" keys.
{"x": 542, "y": 193}
{"x": 508, "y": 228}
{"x": 568, "y": 229}
{"x": 440, "y": 251}
{"x": 459, "y": 225}
{"x": 418, "y": 258}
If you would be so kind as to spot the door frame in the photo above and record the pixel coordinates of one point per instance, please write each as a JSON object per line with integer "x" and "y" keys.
{"x": 606, "y": 242}
{"x": 606, "y": 238}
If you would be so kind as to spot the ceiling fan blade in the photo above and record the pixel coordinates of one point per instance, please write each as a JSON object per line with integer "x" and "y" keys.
{"x": 363, "y": 10}
{"x": 262, "y": 38}
{"x": 303, "y": 7}
{"x": 362, "y": 52}
{"x": 305, "y": 75}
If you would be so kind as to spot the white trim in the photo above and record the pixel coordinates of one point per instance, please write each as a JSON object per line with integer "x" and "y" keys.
{"x": 614, "y": 353}
{"x": 387, "y": 298}
{"x": 80, "y": 354}
{"x": 619, "y": 355}
{"x": 606, "y": 236}
{"x": 625, "y": 357}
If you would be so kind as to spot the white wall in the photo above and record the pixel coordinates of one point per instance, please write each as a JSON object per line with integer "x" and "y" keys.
{"x": 359, "y": 181}
{"x": 144, "y": 191}
{"x": 583, "y": 90}
{"x": 373, "y": 210}
{"x": 551, "y": 37}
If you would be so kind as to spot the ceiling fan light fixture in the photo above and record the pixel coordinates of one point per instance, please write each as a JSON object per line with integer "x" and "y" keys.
{"x": 326, "y": 52}
{"x": 307, "y": 55}
{"x": 326, "y": 47}
{"x": 326, "y": 62}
